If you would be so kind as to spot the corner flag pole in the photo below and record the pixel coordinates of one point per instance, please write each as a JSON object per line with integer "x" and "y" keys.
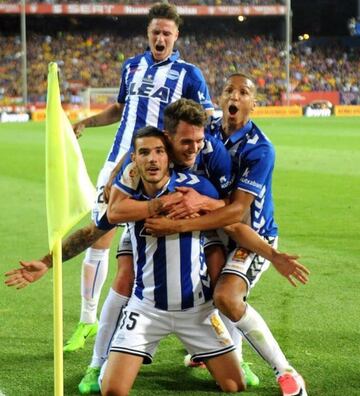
{"x": 58, "y": 320}
{"x": 69, "y": 196}
{"x": 23, "y": 52}
{"x": 287, "y": 50}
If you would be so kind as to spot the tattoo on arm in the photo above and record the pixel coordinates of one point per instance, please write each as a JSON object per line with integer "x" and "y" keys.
{"x": 77, "y": 243}
{"x": 80, "y": 240}
{"x": 91, "y": 122}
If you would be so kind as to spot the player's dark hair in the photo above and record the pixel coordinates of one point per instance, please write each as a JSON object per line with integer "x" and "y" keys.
{"x": 243, "y": 75}
{"x": 149, "y": 131}
{"x": 184, "y": 110}
{"x": 164, "y": 11}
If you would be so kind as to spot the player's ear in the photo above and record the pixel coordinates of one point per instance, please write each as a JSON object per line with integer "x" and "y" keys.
{"x": 254, "y": 104}
{"x": 167, "y": 136}
{"x": 132, "y": 155}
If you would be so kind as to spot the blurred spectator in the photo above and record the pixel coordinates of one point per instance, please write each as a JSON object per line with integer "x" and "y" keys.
{"x": 141, "y": 2}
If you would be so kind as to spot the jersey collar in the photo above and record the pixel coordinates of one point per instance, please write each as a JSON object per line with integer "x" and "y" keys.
{"x": 168, "y": 187}
{"x": 240, "y": 133}
{"x": 175, "y": 55}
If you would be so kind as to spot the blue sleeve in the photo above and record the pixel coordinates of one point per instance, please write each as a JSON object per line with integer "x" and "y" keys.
{"x": 199, "y": 183}
{"x": 256, "y": 168}
{"x": 103, "y": 223}
{"x": 196, "y": 88}
{"x": 123, "y": 90}
{"x": 205, "y": 187}
{"x": 219, "y": 165}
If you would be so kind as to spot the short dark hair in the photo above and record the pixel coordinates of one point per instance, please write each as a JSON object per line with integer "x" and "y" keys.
{"x": 164, "y": 11}
{"x": 184, "y": 110}
{"x": 149, "y": 131}
{"x": 243, "y": 75}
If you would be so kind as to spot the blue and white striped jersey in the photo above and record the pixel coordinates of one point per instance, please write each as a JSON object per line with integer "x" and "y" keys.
{"x": 253, "y": 158}
{"x": 147, "y": 88}
{"x": 213, "y": 162}
{"x": 170, "y": 271}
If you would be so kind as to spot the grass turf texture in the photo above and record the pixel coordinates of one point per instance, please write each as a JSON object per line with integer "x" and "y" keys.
{"x": 316, "y": 190}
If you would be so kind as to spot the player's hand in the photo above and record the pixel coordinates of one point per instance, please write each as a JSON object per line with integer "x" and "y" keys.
{"x": 30, "y": 272}
{"x": 78, "y": 128}
{"x": 288, "y": 266}
{"x": 191, "y": 203}
{"x": 161, "y": 226}
{"x": 168, "y": 201}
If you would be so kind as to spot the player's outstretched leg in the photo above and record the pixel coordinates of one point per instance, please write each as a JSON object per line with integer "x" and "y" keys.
{"x": 253, "y": 327}
{"x": 256, "y": 331}
{"x": 250, "y": 377}
{"x": 292, "y": 384}
{"x": 94, "y": 272}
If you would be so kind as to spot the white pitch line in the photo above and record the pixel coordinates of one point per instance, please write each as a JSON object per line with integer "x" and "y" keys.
{"x": 2, "y": 394}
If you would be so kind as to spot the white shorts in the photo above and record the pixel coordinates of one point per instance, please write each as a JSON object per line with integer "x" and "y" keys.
{"x": 100, "y": 206}
{"x": 248, "y": 265}
{"x": 200, "y": 329}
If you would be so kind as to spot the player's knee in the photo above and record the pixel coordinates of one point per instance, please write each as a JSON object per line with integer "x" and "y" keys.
{"x": 95, "y": 256}
{"x": 114, "y": 388}
{"x": 230, "y": 304}
{"x": 232, "y": 386}
{"x": 114, "y": 392}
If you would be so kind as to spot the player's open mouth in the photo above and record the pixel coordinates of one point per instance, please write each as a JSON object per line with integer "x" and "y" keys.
{"x": 233, "y": 109}
{"x": 153, "y": 169}
{"x": 160, "y": 48}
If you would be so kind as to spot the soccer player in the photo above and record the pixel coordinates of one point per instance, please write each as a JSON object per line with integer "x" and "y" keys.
{"x": 180, "y": 126}
{"x": 251, "y": 200}
{"x": 184, "y": 124}
{"x": 149, "y": 82}
{"x": 171, "y": 292}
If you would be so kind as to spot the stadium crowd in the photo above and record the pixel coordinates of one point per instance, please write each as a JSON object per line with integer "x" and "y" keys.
{"x": 95, "y": 59}
{"x": 177, "y": 2}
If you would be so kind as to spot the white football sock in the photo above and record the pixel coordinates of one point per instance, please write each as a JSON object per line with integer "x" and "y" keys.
{"x": 258, "y": 334}
{"x": 108, "y": 323}
{"x": 234, "y": 333}
{"x": 93, "y": 275}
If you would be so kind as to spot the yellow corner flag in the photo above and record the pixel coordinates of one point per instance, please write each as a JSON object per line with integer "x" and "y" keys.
{"x": 69, "y": 191}
{"x": 69, "y": 196}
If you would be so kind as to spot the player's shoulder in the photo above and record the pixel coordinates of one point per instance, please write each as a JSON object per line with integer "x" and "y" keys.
{"x": 262, "y": 136}
{"x": 133, "y": 60}
{"x": 214, "y": 127}
{"x": 199, "y": 183}
{"x": 212, "y": 144}
{"x": 259, "y": 143}
{"x": 186, "y": 178}
{"x": 192, "y": 70}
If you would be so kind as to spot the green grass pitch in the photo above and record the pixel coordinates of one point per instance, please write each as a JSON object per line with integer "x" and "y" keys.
{"x": 316, "y": 191}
